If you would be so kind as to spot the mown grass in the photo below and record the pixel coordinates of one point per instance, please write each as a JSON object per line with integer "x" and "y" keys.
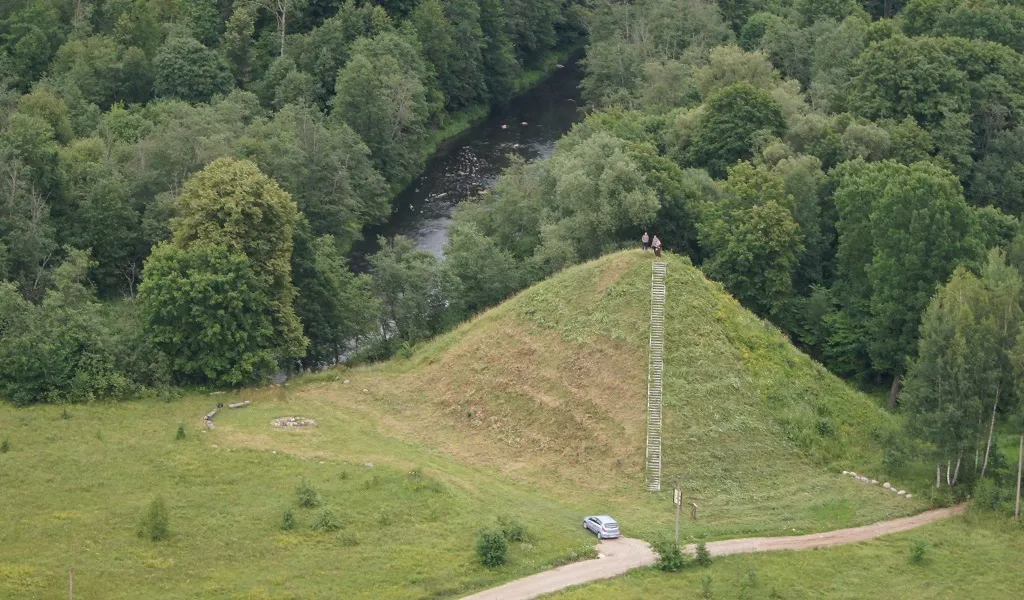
{"x": 534, "y": 411}
{"x": 965, "y": 557}
{"x": 74, "y": 490}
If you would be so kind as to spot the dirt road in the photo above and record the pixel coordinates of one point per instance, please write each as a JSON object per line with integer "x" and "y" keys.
{"x": 623, "y": 554}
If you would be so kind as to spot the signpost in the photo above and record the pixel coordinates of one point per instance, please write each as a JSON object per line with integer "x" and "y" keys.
{"x": 679, "y": 504}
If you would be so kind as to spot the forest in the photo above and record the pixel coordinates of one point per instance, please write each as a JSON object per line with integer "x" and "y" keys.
{"x": 183, "y": 181}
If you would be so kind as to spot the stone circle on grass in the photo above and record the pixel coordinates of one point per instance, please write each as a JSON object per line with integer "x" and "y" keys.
{"x": 293, "y": 423}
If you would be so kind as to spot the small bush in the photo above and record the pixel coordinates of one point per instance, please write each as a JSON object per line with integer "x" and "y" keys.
{"x": 371, "y": 483}
{"x": 65, "y": 414}
{"x": 670, "y": 557}
{"x": 5, "y": 446}
{"x": 155, "y": 522}
{"x": 987, "y": 494}
{"x": 513, "y": 530}
{"x": 287, "y": 519}
{"x": 383, "y": 519}
{"x": 491, "y": 549}
{"x": 326, "y": 521}
{"x": 343, "y": 475}
{"x": 181, "y": 432}
{"x": 705, "y": 588}
{"x": 703, "y": 556}
{"x": 308, "y": 496}
{"x": 918, "y": 548}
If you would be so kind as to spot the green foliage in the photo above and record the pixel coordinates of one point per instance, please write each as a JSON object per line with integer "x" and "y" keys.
{"x": 670, "y": 557}
{"x": 326, "y": 522}
{"x": 288, "y": 519}
{"x": 308, "y": 497}
{"x": 513, "y": 530}
{"x": 703, "y": 557}
{"x": 918, "y": 549}
{"x": 187, "y": 70}
{"x": 155, "y": 521}
{"x": 415, "y": 292}
{"x": 731, "y": 118}
{"x": 491, "y": 548}
{"x": 180, "y": 435}
{"x": 382, "y": 93}
{"x": 706, "y": 591}
{"x": 218, "y": 300}
{"x": 5, "y": 446}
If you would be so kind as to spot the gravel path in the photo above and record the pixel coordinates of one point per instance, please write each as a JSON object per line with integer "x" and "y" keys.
{"x": 623, "y": 554}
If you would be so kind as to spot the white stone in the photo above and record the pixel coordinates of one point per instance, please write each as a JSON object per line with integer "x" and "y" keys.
{"x": 274, "y": 452}
{"x": 874, "y": 482}
{"x": 846, "y": 472}
{"x": 893, "y": 489}
{"x": 346, "y": 382}
{"x": 366, "y": 391}
{"x": 902, "y": 492}
{"x": 910, "y": 496}
{"x": 853, "y": 473}
{"x": 887, "y": 485}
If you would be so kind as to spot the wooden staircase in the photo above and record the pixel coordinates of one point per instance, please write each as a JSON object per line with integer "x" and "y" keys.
{"x": 655, "y": 372}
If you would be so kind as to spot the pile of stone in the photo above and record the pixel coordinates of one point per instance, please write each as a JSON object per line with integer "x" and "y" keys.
{"x": 293, "y": 422}
{"x": 885, "y": 485}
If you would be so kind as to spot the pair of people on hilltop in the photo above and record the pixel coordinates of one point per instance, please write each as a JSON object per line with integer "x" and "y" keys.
{"x": 651, "y": 242}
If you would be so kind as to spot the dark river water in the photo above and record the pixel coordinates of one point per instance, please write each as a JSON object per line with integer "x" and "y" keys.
{"x": 527, "y": 126}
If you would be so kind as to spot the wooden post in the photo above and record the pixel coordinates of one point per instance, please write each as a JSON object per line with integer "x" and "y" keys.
{"x": 679, "y": 506}
{"x": 71, "y": 583}
{"x": 1020, "y": 464}
{"x": 693, "y": 511}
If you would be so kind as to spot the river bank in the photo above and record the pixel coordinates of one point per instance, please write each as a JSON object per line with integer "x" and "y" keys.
{"x": 527, "y": 127}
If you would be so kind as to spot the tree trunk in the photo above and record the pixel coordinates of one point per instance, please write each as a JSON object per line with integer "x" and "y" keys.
{"x": 1020, "y": 463}
{"x": 938, "y": 475}
{"x": 956, "y": 473}
{"x": 887, "y": 9}
{"x": 949, "y": 471}
{"x": 894, "y": 391}
{"x": 991, "y": 428}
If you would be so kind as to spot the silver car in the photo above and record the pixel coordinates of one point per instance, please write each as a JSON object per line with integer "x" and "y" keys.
{"x": 604, "y": 526}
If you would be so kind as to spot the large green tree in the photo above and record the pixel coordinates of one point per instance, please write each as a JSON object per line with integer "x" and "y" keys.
{"x": 726, "y": 129}
{"x": 382, "y": 96}
{"x": 188, "y": 70}
{"x": 219, "y": 297}
{"x": 902, "y": 232}
{"x": 947, "y": 384}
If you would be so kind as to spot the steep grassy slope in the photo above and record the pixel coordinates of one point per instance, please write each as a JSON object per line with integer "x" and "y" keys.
{"x": 534, "y": 410}
{"x": 550, "y": 389}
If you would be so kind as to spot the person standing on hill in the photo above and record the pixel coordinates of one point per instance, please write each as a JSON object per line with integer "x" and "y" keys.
{"x": 656, "y": 243}
{"x": 645, "y": 241}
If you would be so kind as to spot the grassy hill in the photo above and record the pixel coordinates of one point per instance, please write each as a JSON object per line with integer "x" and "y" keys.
{"x": 533, "y": 411}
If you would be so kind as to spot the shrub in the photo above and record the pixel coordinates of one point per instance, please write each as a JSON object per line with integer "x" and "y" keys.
{"x": 5, "y": 446}
{"x": 703, "y": 556}
{"x": 65, "y": 413}
{"x": 155, "y": 522}
{"x": 491, "y": 548}
{"x": 670, "y": 557}
{"x": 383, "y": 519}
{"x": 326, "y": 521}
{"x": 513, "y": 530}
{"x": 987, "y": 494}
{"x": 918, "y": 548}
{"x": 181, "y": 432}
{"x": 705, "y": 588}
{"x": 308, "y": 496}
{"x": 287, "y": 519}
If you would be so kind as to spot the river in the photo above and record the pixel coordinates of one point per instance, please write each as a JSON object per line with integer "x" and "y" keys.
{"x": 527, "y": 126}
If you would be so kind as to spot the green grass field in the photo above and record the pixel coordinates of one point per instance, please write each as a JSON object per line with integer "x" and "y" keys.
{"x": 965, "y": 557}
{"x": 532, "y": 411}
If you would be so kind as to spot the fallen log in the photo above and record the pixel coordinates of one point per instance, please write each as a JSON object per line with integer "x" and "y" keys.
{"x": 239, "y": 404}
{"x": 209, "y": 424}
{"x": 209, "y": 416}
